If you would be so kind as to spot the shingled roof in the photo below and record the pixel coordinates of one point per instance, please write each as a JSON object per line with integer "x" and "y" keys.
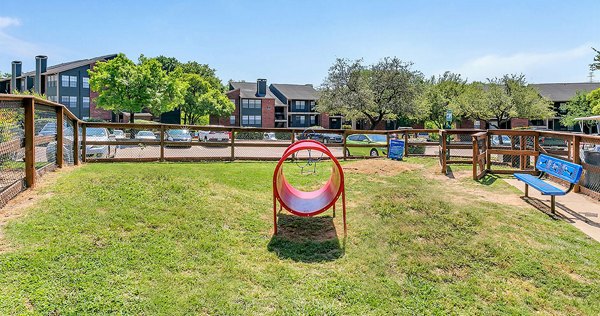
{"x": 248, "y": 91}
{"x": 65, "y": 66}
{"x": 562, "y": 92}
{"x": 297, "y": 91}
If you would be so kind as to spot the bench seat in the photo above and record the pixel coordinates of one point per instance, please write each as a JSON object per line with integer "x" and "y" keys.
{"x": 544, "y": 187}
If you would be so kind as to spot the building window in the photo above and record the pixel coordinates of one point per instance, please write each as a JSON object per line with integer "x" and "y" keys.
{"x": 64, "y": 100}
{"x": 85, "y": 83}
{"x": 86, "y": 102}
{"x": 313, "y": 120}
{"x": 251, "y": 120}
{"x": 232, "y": 120}
{"x": 72, "y": 81}
{"x": 64, "y": 81}
{"x": 52, "y": 81}
{"x": 301, "y": 119}
{"x": 73, "y": 102}
{"x": 301, "y": 105}
{"x": 251, "y": 104}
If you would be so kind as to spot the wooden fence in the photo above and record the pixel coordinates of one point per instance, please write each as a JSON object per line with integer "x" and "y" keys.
{"x": 75, "y": 141}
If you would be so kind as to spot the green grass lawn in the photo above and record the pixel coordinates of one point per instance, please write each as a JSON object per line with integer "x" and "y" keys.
{"x": 180, "y": 239}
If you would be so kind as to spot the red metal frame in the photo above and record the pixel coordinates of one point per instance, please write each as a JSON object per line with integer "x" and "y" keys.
{"x": 308, "y": 204}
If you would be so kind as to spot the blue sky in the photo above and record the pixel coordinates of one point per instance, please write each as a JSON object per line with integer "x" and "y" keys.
{"x": 297, "y": 41}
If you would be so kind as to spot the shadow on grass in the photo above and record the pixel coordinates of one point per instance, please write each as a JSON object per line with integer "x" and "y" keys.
{"x": 306, "y": 239}
{"x": 488, "y": 179}
{"x": 449, "y": 172}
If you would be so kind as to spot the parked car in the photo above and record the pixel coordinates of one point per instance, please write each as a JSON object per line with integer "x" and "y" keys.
{"x": 119, "y": 134}
{"x": 48, "y": 130}
{"x": 500, "y": 140}
{"x": 321, "y": 137}
{"x": 552, "y": 142}
{"x": 145, "y": 135}
{"x": 67, "y": 147}
{"x": 178, "y": 135}
{"x": 378, "y": 145}
{"x": 269, "y": 136}
{"x": 99, "y": 134}
{"x": 214, "y": 136}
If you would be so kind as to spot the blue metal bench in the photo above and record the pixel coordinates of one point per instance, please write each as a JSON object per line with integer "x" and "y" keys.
{"x": 558, "y": 168}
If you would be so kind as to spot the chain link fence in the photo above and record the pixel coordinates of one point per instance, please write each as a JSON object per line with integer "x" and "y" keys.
{"x": 589, "y": 153}
{"x": 45, "y": 138}
{"x": 12, "y": 149}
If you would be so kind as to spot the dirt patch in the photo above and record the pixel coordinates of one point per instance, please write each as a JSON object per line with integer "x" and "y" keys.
{"x": 17, "y": 207}
{"x": 465, "y": 194}
{"x": 383, "y": 167}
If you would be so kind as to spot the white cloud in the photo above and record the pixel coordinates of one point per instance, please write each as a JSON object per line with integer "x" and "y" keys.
{"x": 556, "y": 66}
{"x": 12, "y": 46}
{"x": 6, "y": 21}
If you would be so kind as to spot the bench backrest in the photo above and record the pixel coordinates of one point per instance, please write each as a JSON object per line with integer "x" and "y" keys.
{"x": 559, "y": 168}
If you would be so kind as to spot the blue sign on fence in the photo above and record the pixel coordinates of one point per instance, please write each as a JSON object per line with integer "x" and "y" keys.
{"x": 396, "y": 149}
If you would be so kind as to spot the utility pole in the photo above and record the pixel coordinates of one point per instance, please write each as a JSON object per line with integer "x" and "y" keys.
{"x": 591, "y": 76}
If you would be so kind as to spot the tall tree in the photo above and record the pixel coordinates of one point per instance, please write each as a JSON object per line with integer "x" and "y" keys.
{"x": 594, "y": 99}
{"x": 501, "y": 99}
{"x": 201, "y": 98}
{"x": 441, "y": 94}
{"x": 596, "y": 64}
{"x": 578, "y": 106}
{"x": 385, "y": 90}
{"x": 123, "y": 86}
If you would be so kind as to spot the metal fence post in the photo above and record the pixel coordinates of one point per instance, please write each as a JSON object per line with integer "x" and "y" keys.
{"x": 29, "y": 105}
{"x": 59, "y": 137}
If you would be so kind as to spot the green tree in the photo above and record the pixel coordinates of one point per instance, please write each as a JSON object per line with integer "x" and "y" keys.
{"x": 387, "y": 89}
{"x": 501, "y": 99}
{"x": 594, "y": 99}
{"x": 440, "y": 95}
{"x": 123, "y": 86}
{"x": 201, "y": 98}
{"x": 596, "y": 64}
{"x": 578, "y": 106}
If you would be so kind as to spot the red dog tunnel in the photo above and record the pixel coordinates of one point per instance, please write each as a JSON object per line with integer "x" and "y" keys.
{"x": 312, "y": 203}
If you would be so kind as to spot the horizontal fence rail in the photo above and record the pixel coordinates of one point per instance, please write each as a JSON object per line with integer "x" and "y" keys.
{"x": 37, "y": 136}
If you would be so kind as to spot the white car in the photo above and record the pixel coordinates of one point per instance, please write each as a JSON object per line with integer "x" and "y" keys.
{"x": 213, "y": 136}
{"x": 269, "y": 136}
{"x": 145, "y": 135}
{"x": 98, "y": 134}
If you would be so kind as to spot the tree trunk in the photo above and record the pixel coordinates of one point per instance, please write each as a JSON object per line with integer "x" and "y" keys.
{"x": 132, "y": 117}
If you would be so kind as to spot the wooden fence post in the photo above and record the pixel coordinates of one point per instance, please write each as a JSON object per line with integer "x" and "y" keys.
{"x": 387, "y": 141}
{"x": 475, "y": 156}
{"x": 488, "y": 155}
{"x": 76, "y": 142}
{"x": 59, "y": 137}
{"x": 443, "y": 151}
{"x": 232, "y": 144}
{"x": 83, "y": 142}
{"x": 162, "y": 142}
{"x": 29, "y": 106}
{"x": 405, "y": 143}
{"x": 576, "y": 157}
